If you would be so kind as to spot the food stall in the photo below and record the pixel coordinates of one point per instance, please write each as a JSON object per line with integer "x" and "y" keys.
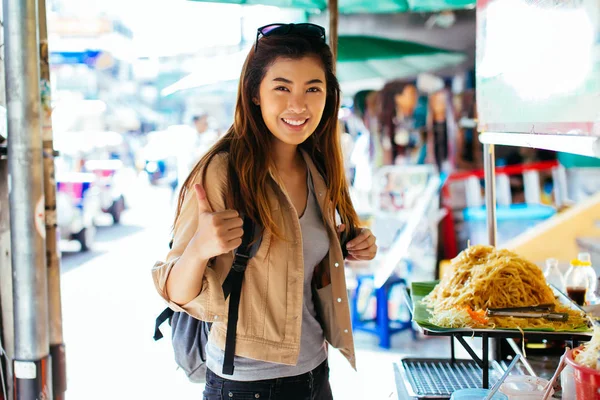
{"x": 538, "y": 86}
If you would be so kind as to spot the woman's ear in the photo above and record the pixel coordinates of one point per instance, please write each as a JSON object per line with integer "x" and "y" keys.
{"x": 255, "y": 101}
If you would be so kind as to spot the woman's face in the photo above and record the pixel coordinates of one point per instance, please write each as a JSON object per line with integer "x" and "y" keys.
{"x": 292, "y": 98}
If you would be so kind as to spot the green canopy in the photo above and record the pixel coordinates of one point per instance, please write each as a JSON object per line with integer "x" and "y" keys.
{"x": 363, "y": 62}
{"x": 362, "y": 58}
{"x": 360, "y": 6}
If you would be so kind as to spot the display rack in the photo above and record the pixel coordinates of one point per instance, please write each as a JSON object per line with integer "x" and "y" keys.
{"x": 572, "y": 338}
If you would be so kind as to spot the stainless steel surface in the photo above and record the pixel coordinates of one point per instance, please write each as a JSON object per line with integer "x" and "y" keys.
{"x": 576, "y": 144}
{"x": 489, "y": 161}
{"x": 431, "y": 378}
{"x": 538, "y": 68}
{"x": 523, "y": 314}
{"x": 30, "y": 290}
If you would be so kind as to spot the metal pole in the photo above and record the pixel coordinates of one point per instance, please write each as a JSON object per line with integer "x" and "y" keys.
{"x": 6, "y": 298}
{"x": 57, "y": 346}
{"x": 31, "y": 363}
{"x": 489, "y": 162}
{"x": 333, "y": 30}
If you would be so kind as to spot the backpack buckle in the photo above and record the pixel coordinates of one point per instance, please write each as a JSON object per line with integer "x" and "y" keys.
{"x": 240, "y": 262}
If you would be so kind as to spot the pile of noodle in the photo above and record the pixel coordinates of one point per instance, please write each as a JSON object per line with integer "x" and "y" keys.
{"x": 484, "y": 278}
{"x": 589, "y": 355}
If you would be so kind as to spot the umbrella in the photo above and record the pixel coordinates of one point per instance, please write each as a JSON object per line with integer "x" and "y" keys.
{"x": 363, "y": 62}
{"x": 368, "y": 62}
{"x": 356, "y": 6}
{"x": 360, "y": 6}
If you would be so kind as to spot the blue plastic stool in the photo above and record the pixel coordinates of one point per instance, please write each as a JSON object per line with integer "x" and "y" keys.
{"x": 381, "y": 325}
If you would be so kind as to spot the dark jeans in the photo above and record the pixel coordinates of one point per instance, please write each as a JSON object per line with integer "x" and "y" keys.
{"x": 313, "y": 385}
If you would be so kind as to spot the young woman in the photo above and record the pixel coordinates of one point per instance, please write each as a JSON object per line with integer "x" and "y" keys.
{"x": 280, "y": 163}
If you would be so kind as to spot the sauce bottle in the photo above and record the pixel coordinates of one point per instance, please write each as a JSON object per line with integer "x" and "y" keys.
{"x": 581, "y": 281}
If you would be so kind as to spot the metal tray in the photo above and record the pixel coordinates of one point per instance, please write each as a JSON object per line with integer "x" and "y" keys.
{"x": 435, "y": 378}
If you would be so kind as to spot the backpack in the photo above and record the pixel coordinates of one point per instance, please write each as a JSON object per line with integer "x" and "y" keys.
{"x": 190, "y": 335}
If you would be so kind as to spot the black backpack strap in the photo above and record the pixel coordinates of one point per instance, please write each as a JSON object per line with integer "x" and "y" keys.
{"x": 245, "y": 250}
{"x": 232, "y": 287}
{"x": 167, "y": 314}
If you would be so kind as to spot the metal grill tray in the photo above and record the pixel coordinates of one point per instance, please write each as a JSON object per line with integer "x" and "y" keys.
{"x": 434, "y": 378}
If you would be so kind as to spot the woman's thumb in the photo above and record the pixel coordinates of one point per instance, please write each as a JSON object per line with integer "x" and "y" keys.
{"x": 201, "y": 198}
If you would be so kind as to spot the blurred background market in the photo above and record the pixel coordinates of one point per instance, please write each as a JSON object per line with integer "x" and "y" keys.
{"x": 141, "y": 89}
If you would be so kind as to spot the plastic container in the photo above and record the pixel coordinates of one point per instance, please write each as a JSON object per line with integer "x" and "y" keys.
{"x": 553, "y": 274}
{"x": 476, "y": 394}
{"x": 587, "y": 380}
{"x": 524, "y": 387}
{"x": 567, "y": 383}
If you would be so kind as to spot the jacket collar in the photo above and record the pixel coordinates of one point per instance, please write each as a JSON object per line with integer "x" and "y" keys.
{"x": 318, "y": 183}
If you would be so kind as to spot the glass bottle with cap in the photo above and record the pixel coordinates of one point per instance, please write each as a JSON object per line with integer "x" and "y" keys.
{"x": 553, "y": 275}
{"x": 581, "y": 280}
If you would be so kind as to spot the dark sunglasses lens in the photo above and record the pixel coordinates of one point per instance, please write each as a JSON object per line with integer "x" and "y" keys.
{"x": 312, "y": 30}
{"x": 270, "y": 29}
{"x": 309, "y": 30}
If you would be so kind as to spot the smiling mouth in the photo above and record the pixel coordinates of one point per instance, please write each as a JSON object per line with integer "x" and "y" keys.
{"x": 295, "y": 122}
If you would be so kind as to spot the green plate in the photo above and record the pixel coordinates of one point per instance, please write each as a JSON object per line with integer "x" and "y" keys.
{"x": 421, "y": 313}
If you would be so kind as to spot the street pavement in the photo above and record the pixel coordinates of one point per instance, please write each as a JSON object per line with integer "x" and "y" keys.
{"x": 110, "y": 304}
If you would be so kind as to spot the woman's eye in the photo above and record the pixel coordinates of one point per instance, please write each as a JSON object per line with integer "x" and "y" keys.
{"x": 314, "y": 90}
{"x": 281, "y": 88}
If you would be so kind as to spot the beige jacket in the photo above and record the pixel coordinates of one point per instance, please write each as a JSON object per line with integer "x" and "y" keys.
{"x": 272, "y": 293}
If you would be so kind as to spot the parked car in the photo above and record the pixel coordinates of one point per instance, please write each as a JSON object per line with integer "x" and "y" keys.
{"x": 101, "y": 154}
{"x": 77, "y": 205}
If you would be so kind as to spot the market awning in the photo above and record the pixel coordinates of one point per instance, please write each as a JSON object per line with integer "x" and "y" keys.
{"x": 363, "y": 62}
{"x": 368, "y": 62}
{"x": 361, "y": 6}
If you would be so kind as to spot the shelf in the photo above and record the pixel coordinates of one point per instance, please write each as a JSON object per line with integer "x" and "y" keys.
{"x": 576, "y": 144}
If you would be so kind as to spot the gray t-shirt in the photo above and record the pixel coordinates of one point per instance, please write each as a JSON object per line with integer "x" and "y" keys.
{"x": 313, "y": 350}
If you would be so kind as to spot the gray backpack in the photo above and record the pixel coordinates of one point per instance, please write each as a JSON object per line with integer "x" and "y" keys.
{"x": 190, "y": 335}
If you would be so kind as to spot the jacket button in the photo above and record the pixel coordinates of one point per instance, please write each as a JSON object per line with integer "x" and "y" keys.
{"x": 230, "y": 394}
{"x": 257, "y": 396}
{"x": 336, "y": 265}
{"x": 339, "y": 300}
{"x": 345, "y": 330}
{"x": 216, "y": 317}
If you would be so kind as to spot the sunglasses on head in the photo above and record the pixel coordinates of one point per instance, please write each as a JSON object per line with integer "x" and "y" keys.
{"x": 308, "y": 30}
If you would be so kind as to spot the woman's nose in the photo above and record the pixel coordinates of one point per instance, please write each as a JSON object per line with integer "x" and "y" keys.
{"x": 297, "y": 103}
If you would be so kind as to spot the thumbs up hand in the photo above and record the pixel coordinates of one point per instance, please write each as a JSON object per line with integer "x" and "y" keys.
{"x": 217, "y": 232}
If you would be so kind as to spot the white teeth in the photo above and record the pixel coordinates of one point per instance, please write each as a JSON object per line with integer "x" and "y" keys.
{"x": 294, "y": 122}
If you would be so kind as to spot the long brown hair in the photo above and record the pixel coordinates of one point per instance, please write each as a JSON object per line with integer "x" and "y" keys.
{"x": 248, "y": 140}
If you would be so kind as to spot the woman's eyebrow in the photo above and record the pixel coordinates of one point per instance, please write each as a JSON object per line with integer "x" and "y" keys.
{"x": 284, "y": 80}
